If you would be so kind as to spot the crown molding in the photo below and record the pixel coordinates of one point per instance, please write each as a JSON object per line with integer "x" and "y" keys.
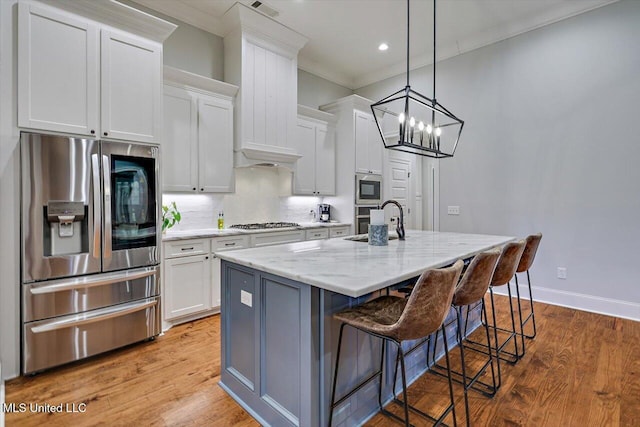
{"x": 118, "y": 15}
{"x": 175, "y": 76}
{"x": 185, "y": 13}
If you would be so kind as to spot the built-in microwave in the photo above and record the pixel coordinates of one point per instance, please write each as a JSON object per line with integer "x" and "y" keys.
{"x": 363, "y": 218}
{"x": 368, "y": 189}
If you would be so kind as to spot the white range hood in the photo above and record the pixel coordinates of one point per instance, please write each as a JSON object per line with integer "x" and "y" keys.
{"x": 261, "y": 57}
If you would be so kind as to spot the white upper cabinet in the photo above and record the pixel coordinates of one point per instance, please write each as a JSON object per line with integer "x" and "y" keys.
{"x": 180, "y": 145}
{"x": 368, "y": 144}
{"x": 215, "y": 145}
{"x": 131, "y": 77}
{"x": 57, "y": 71}
{"x": 315, "y": 171}
{"x": 264, "y": 65}
{"x": 197, "y": 151}
{"x": 82, "y": 77}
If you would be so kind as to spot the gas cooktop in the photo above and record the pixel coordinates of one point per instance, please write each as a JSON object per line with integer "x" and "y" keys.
{"x": 265, "y": 225}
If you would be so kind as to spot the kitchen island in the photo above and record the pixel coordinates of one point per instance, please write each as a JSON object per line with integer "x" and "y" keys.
{"x": 278, "y": 335}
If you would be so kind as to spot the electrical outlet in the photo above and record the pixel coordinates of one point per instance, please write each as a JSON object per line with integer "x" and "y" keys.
{"x": 453, "y": 210}
{"x": 562, "y": 272}
{"x": 246, "y": 298}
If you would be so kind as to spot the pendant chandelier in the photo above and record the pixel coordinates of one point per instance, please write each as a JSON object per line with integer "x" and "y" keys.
{"x": 409, "y": 121}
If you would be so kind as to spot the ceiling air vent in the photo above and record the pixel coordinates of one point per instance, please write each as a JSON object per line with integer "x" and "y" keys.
{"x": 267, "y": 10}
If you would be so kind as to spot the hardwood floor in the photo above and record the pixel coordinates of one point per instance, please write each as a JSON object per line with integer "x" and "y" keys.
{"x": 583, "y": 369}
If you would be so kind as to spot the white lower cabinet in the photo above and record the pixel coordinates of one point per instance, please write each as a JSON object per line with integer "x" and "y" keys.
{"x": 219, "y": 244}
{"x": 191, "y": 270}
{"x": 339, "y": 231}
{"x": 276, "y": 238}
{"x": 187, "y": 285}
{"x": 317, "y": 234}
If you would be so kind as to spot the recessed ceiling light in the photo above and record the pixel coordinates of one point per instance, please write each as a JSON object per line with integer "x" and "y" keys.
{"x": 383, "y": 46}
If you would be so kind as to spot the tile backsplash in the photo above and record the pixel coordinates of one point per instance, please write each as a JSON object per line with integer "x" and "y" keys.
{"x": 262, "y": 194}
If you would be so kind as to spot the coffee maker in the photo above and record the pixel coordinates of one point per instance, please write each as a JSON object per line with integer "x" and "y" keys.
{"x": 324, "y": 212}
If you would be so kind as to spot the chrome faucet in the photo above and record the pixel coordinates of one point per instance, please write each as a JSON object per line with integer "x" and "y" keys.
{"x": 400, "y": 225}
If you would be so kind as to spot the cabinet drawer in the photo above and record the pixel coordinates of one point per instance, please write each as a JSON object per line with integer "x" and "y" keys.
{"x": 338, "y": 232}
{"x": 228, "y": 243}
{"x": 266, "y": 239}
{"x": 181, "y": 248}
{"x": 317, "y": 234}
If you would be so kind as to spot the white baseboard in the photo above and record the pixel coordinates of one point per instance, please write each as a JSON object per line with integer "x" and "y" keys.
{"x": 594, "y": 304}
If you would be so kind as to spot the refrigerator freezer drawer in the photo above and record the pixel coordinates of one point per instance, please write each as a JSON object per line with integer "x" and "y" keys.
{"x": 75, "y": 295}
{"x": 65, "y": 339}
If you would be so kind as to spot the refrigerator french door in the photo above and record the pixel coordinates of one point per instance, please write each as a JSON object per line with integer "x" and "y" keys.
{"x": 90, "y": 236}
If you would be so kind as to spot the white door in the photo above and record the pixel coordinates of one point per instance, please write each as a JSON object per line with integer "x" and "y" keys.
{"x": 180, "y": 141}
{"x": 399, "y": 189}
{"x": 57, "y": 71}
{"x": 187, "y": 286}
{"x": 131, "y": 73}
{"x": 215, "y": 145}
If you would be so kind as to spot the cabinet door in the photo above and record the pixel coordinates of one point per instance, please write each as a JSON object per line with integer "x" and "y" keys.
{"x": 180, "y": 141}
{"x": 375, "y": 147}
{"x": 57, "y": 71}
{"x": 187, "y": 285}
{"x": 325, "y": 161}
{"x": 361, "y": 135}
{"x": 304, "y": 174}
{"x": 223, "y": 244}
{"x": 215, "y": 145}
{"x": 131, "y": 83}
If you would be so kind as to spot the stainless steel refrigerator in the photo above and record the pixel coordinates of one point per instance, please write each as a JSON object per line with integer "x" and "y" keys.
{"x": 90, "y": 247}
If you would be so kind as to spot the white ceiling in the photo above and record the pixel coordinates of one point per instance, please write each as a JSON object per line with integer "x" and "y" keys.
{"x": 344, "y": 34}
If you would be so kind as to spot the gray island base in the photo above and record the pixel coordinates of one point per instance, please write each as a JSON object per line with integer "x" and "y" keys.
{"x": 278, "y": 334}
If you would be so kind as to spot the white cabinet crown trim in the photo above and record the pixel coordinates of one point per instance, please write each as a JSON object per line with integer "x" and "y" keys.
{"x": 315, "y": 115}
{"x": 118, "y": 15}
{"x": 195, "y": 82}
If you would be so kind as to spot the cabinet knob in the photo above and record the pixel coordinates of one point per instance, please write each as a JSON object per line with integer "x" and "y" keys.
{"x": 93, "y": 132}
{"x": 106, "y": 134}
{"x": 202, "y": 189}
{"x": 206, "y": 257}
{"x": 194, "y": 188}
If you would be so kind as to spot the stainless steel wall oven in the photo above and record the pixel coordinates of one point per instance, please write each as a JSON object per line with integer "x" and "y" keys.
{"x": 90, "y": 240}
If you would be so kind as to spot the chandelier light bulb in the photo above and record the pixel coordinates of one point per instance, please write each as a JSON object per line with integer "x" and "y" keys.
{"x": 412, "y": 122}
{"x": 438, "y": 131}
{"x": 429, "y": 129}
{"x": 421, "y": 126}
{"x": 401, "y": 118}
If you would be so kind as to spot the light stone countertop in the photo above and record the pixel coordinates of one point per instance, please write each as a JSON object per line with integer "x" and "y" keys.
{"x": 356, "y": 268}
{"x": 205, "y": 233}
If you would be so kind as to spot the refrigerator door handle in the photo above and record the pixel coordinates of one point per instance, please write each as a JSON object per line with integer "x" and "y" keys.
{"x": 99, "y": 316}
{"x": 97, "y": 212}
{"x": 106, "y": 176}
{"x": 81, "y": 284}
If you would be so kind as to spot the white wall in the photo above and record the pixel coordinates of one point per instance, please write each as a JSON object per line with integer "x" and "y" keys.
{"x": 550, "y": 145}
{"x": 9, "y": 195}
{"x": 189, "y": 48}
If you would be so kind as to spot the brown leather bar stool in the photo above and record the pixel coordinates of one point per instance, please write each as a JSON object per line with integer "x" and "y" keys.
{"x": 526, "y": 261}
{"x": 395, "y": 319}
{"x": 470, "y": 294}
{"x": 505, "y": 269}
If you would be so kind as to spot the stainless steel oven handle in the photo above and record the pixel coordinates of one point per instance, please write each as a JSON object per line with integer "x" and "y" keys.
{"x": 97, "y": 213}
{"x": 106, "y": 171}
{"x": 79, "y": 283}
{"x": 105, "y": 314}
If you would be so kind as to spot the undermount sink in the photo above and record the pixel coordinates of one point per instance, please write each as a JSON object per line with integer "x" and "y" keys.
{"x": 365, "y": 237}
